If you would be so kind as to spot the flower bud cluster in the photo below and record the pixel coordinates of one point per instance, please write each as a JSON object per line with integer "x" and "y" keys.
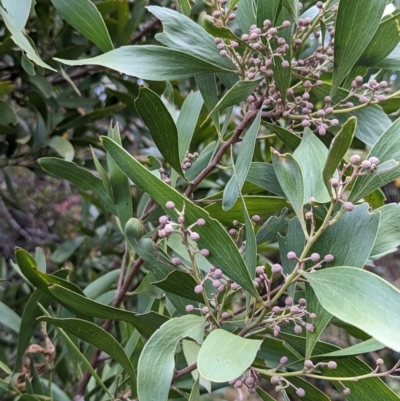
{"x": 281, "y": 383}
{"x": 188, "y": 160}
{"x": 309, "y": 366}
{"x": 248, "y": 379}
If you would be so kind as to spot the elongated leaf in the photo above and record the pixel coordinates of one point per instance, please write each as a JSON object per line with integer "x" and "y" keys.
{"x": 290, "y": 177}
{"x": 217, "y": 31}
{"x": 208, "y": 89}
{"x": 18, "y": 11}
{"x": 161, "y": 126}
{"x": 158, "y": 356}
{"x": 384, "y": 41}
{"x": 353, "y": 247}
{"x": 263, "y": 394}
{"x": 392, "y": 61}
{"x": 181, "y": 33}
{"x": 245, "y": 15}
{"x": 239, "y": 92}
{"x": 263, "y": 175}
{"x": 119, "y": 183}
{"x": 291, "y": 140}
{"x": 356, "y": 23}
{"x": 187, "y": 121}
{"x": 388, "y": 237}
{"x": 22, "y": 41}
{"x": 338, "y": 149}
{"x": 261, "y": 205}
{"x": 79, "y": 176}
{"x": 323, "y": 317}
{"x": 387, "y": 148}
{"x": 62, "y": 146}
{"x": 86, "y": 19}
{"x": 102, "y": 284}
{"x": 267, "y": 10}
{"x": 217, "y": 362}
{"x": 312, "y": 155}
{"x": 250, "y": 254}
{"x": 180, "y": 283}
{"x": 9, "y": 318}
{"x": 213, "y": 236}
{"x": 272, "y": 227}
{"x": 31, "y": 312}
{"x": 242, "y": 165}
{"x": 157, "y": 63}
{"x": 362, "y": 299}
{"x": 293, "y": 7}
{"x": 95, "y": 335}
{"x": 364, "y": 347}
{"x": 145, "y": 324}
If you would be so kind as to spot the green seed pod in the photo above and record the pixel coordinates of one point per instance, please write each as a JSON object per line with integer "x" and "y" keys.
{"x": 134, "y": 229}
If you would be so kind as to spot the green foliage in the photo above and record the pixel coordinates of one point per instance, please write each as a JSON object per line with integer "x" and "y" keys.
{"x": 220, "y": 199}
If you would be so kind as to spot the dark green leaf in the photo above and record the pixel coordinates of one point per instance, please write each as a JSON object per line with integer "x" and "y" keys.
{"x": 217, "y": 362}
{"x": 67, "y": 249}
{"x": 180, "y": 283}
{"x": 364, "y": 347}
{"x": 356, "y": 23}
{"x": 292, "y": 6}
{"x": 386, "y": 149}
{"x": 213, "y": 236}
{"x": 388, "y": 237}
{"x": 250, "y": 253}
{"x": 384, "y": 41}
{"x": 272, "y": 227}
{"x": 264, "y": 395}
{"x": 261, "y": 205}
{"x": 360, "y": 298}
{"x": 7, "y": 114}
{"x": 350, "y": 239}
{"x": 263, "y": 175}
{"x": 187, "y": 121}
{"x": 145, "y": 324}
{"x": 157, "y": 63}
{"x": 183, "y": 34}
{"x": 95, "y": 335}
{"x": 119, "y": 183}
{"x": 79, "y": 176}
{"x": 267, "y": 10}
{"x": 291, "y": 140}
{"x": 158, "y": 356}
{"x": 161, "y": 126}
{"x": 312, "y": 155}
{"x": 208, "y": 88}
{"x": 338, "y": 149}
{"x": 242, "y": 165}
{"x": 290, "y": 177}
{"x": 245, "y": 15}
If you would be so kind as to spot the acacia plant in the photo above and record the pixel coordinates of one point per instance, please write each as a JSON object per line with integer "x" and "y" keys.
{"x": 242, "y": 200}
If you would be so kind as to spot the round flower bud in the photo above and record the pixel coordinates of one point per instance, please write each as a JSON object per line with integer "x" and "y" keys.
{"x": 234, "y": 286}
{"x": 349, "y": 105}
{"x": 294, "y": 309}
{"x": 285, "y": 64}
{"x": 205, "y": 310}
{"x": 327, "y": 99}
{"x": 348, "y": 206}
{"x": 223, "y": 53}
{"x": 286, "y": 24}
{"x": 194, "y": 236}
{"x": 374, "y": 160}
{"x": 358, "y": 79}
{"x": 308, "y": 215}
{"x": 205, "y": 252}
{"x": 328, "y": 258}
{"x": 238, "y": 384}
{"x": 321, "y": 131}
{"x": 308, "y": 364}
{"x": 363, "y": 99}
{"x": 169, "y": 228}
{"x": 288, "y": 301}
{"x": 334, "y": 122}
{"x": 176, "y": 261}
{"x": 251, "y": 390}
{"x": 319, "y": 4}
{"x": 366, "y": 164}
{"x": 291, "y": 255}
{"x": 163, "y": 219}
{"x": 298, "y": 329}
{"x": 232, "y": 231}
{"x": 328, "y": 110}
{"x": 181, "y": 219}
{"x": 189, "y": 308}
{"x": 216, "y": 283}
{"x": 310, "y": 327}
{"x": 170, "y": 205}
{"x": 231, "y": 17}
{"x": 272, "y": 31}
{"x": 380, "y": 98}
{"x": 249, "y": 381}
{"x": 201, "y": 222}
{"x": 346, "y": 391}
{"x": 383, "y": 84}
{"x": 379, "y": 362}
{"x": 284, "y": 360}
{"x": 332, "y": 365}
{"x": 355, "y": 159}
{"x": 312, "y": 316}
{"x": 225, "y": 315}
{"x": 260, "y": 269}
{"x": 245, "y": 37}
{"x": 198, "y": 289}
{"x": 275, "y": 379}
{"x": 315, "y": 257}
{"x": 218, "y": 273}
{"x": 305, "y": 123}
{"x": 256, "y": 218}
{"x": 276, "y": 309}
{"x": 276, "y": 268}
{"x": 300, "y": 392}
{"x": 221, "y": 288}
{"x": 217, "y": 40}
{"x": 334, "y": 182}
